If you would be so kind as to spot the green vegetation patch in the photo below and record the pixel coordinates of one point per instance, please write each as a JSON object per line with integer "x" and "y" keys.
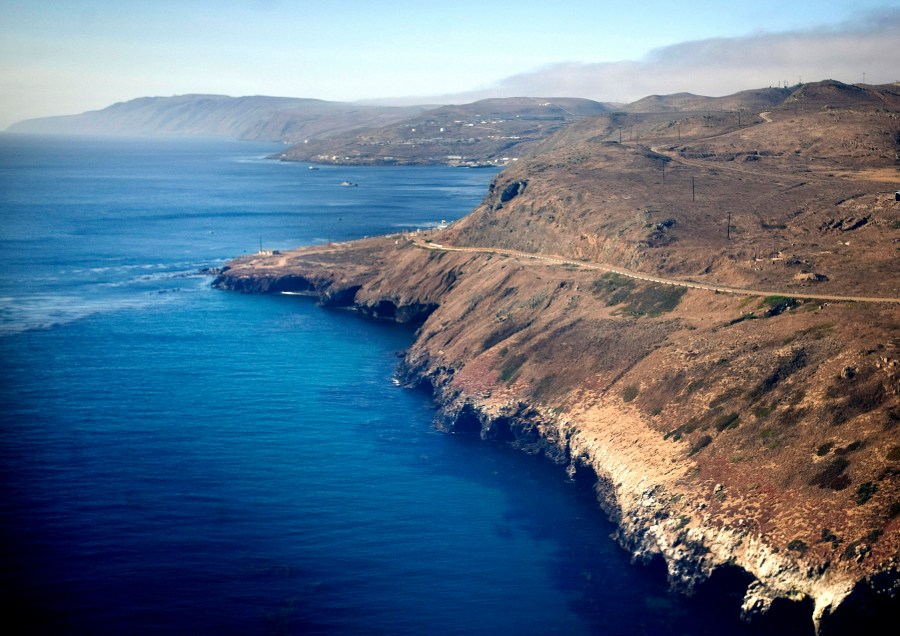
{"x": 647, "y": 300}
{"x": 763, "y": 411}
{"x": 824, "y": 449}
{"x": 730, "y": 420}
{"x": 613, "y": 287}
{"x": 654, "y": 300}
{"x": 769, "y": 437}
{"x": 630, "y": 392}
{"x": 778, "y": 304}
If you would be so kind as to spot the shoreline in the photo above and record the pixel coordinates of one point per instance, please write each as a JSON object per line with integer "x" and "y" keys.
{"x": 664, "y": 503}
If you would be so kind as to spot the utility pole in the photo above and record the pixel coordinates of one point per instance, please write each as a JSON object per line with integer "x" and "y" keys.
{"x": 728, "y": 230}
{"x": 692, "y": 189}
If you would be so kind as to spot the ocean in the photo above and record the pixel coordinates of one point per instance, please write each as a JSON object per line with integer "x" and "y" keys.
{"x": 177, "y": 459}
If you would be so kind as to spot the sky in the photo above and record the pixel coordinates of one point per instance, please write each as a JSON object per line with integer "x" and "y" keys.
{"x": 68, "y": 56}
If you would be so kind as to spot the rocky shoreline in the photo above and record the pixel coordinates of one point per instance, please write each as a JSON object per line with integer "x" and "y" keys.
{"x": 666, "y": 501}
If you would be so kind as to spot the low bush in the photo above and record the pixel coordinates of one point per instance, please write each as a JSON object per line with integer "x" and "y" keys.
{"x": 864, "y": 492}
{"x": 631, "y": 391}
{"x": 730, "y": 420}
{"x": 797, "y": 545}
{"x": 832, "y": 475}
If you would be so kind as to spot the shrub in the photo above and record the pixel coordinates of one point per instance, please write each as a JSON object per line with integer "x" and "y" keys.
{"x": 832, "y": 475}
{"x": 655, "y": 300}
{"x": 829, "y": 537}
{"x": 731, "y": 420}
{"x": 864, "y": 492}
{"x": 797, "y": 545}
{"x": 631, "y": 391}
{"x": 824, "y": 449}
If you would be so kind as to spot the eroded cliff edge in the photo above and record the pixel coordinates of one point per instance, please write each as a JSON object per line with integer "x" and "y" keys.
{"x": 723, "y": 431}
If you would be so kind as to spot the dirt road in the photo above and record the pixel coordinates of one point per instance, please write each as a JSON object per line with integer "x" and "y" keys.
{"x": 559, "y": 260}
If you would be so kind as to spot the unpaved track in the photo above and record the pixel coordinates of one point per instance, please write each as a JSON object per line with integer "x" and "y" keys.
{"x": 559, "y": 260}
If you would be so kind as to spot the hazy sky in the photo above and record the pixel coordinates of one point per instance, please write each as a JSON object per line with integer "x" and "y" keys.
{"x": 62, "y": 57}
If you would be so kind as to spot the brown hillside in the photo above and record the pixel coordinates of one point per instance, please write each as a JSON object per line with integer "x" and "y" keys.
{"x": 755, "y": 430}
{"x": 487, "y": 132}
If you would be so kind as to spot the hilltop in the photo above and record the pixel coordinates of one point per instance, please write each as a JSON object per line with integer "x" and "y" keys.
{"x": 748, "y": 437}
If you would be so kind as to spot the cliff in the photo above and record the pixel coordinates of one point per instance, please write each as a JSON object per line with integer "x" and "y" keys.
{"x": 750, "y": 431}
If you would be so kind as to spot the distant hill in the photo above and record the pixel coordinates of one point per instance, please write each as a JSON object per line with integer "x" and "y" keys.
{"x": 258, "y": 118}
{"x": 490, "y": 131}
{"x": 759, "y": 99}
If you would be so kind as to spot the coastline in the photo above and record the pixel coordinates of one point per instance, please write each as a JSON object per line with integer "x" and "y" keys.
{"x": 668, "y": 499}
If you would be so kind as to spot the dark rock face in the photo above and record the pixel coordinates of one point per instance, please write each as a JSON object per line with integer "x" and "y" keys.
{"x": 412, "y": 312}
{"x": 328, "y": 293}
{"x": 513, "y": 190}
{"x": 871, "y": 607}
{"x": 264, "y": 284}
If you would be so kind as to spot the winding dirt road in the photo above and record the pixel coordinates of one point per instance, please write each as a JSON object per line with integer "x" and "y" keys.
{"x": 559, "y": 260}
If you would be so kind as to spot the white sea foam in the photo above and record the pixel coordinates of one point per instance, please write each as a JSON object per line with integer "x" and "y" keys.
{"x": 20, "y": 314}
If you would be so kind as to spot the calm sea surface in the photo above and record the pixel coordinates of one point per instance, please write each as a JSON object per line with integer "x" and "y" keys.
{"x": 175, "y": 459}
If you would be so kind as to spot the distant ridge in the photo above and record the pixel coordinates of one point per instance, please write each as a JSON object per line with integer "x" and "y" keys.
{"x": 258, "y": 118}
{"x": 487, "y": 132}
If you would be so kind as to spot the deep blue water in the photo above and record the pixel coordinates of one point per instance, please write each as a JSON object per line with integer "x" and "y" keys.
{"x": 176, "y": 459}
